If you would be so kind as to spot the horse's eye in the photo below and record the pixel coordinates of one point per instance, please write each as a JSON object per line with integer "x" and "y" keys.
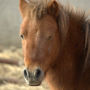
{"x": 22, "y": 36}
{"x": 49, "y": 37}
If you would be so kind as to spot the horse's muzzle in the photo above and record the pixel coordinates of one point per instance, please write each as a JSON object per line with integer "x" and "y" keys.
{"x": 33, "y": 78}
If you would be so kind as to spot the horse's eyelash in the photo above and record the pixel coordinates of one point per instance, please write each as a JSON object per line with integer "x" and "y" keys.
{"x": 49, "y": 37}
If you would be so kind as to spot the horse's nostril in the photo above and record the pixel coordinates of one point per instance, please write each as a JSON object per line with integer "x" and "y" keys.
{"x": 26, "y": 73}
{"x": 37, "y": 73}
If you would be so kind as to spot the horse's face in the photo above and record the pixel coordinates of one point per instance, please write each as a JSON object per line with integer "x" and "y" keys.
{"x": 40, "y": 42}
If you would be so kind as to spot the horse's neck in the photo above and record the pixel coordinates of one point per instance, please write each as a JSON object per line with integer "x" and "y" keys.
{"x": 67, "y": 71}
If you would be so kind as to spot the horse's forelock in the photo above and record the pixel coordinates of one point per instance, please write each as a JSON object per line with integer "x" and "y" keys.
{"x": 37, "y": 7}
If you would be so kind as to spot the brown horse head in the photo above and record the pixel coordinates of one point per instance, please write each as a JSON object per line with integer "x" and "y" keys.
{"x": 55, "y": 45}
{"x": 40, "y": 38}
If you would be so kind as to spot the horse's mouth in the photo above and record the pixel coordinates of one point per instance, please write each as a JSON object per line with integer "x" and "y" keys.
{"x": 33, "y": 83}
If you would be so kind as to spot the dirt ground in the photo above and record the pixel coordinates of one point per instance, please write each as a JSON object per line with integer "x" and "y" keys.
{"x": 15, "y": 73}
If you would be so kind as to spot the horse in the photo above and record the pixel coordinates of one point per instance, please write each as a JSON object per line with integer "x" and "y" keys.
{"x": 56, "y": 45}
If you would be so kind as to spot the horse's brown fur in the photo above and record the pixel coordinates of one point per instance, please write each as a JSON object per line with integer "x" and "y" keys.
{"x": 65, "y": 66}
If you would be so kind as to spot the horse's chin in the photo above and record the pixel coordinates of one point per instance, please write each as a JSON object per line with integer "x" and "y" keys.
{"x": 34, "y": 83}
{"x": 38, "y": 84}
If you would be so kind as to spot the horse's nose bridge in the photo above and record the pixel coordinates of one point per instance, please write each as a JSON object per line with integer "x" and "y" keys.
{"x": 35, "y": 54}
{"x": 34, "y": 50}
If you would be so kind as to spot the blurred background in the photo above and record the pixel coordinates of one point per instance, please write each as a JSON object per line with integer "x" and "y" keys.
{"x": 11, "y": 74}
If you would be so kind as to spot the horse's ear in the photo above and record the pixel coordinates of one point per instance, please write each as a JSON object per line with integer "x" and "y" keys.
{"x": 23, "y": 5}
{"x": 53, "y": 8}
